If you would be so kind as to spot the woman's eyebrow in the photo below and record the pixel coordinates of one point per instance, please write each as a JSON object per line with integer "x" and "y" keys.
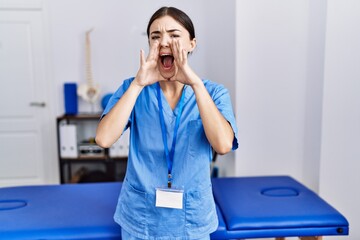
{"x": 173, "y": 30}
{"x": 169, "y": 31}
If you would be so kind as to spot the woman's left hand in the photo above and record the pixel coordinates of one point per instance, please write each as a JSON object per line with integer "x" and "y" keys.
{"x": 184, "y": 73}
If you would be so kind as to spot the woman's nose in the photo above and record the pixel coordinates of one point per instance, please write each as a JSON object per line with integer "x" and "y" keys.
{"x": 165, "y": 41}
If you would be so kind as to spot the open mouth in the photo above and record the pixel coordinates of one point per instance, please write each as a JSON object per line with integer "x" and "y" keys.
{"x": 167, "y": 60}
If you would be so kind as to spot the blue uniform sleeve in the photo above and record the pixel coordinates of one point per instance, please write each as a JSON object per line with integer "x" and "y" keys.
{"x": 222, "y": 100}
{"x": 115, "y": 98}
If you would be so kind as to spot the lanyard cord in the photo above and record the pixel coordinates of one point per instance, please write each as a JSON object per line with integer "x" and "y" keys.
{"x": 169, "y": 155}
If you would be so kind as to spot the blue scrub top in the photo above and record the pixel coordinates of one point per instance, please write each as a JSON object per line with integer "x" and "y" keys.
{"x": 147, "y": 166}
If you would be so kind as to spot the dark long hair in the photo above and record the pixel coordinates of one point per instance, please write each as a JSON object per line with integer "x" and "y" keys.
{"x": 176, "y": 14}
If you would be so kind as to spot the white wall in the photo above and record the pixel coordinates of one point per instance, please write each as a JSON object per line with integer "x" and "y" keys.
{"x": 274, "y": 74}
{"x": 340, "y": 152}
{"x": 220, "y": 59}
{"x": 314, "y": 93}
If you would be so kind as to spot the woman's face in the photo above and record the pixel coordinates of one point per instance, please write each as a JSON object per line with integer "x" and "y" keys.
{"x": 165, "y": 30}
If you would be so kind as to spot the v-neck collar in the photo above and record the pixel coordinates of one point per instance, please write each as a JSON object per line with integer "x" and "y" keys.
{"x": 166, "y": 106}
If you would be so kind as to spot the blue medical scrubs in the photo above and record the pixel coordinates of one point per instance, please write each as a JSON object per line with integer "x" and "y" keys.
{"x": 147, "y": 167}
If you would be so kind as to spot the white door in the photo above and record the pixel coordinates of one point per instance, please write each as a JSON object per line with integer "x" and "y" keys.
{"x": 26, "y": 140}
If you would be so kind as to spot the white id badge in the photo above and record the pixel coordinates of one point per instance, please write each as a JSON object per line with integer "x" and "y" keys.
{"x": 169, "y": 198}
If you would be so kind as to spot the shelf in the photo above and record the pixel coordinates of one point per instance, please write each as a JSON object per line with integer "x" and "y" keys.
{"x": 94, "y": 158}
{"x": 86, "y": 158}
{"x": 79, "y": 117}
{"x": 119, "y": 158}
{"x": 85, "y": 129}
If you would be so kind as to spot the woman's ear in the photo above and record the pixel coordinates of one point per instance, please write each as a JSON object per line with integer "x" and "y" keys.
{"x": 192, "y": 45}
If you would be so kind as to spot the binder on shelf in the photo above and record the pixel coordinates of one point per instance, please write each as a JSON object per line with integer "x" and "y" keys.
{"x": 68, "y": 141}
{"x": 70, "y": 98}
{"x": 121, "y": 147}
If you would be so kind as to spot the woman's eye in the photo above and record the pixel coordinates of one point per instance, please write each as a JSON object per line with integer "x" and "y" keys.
{"x": 155, "y": 37}
{"x": 175, "y": 36}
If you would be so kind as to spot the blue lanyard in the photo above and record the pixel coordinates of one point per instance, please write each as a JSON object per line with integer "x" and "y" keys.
{"x": 169, "y": 155}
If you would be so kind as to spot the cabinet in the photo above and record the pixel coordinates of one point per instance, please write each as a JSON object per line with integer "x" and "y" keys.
{"x": 80, "y": 159}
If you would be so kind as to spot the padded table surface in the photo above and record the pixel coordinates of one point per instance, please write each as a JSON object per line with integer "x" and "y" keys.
{"x": 275, "y": 206}
{"x": 248, "y": 207}
{"x": 69, "y": 211}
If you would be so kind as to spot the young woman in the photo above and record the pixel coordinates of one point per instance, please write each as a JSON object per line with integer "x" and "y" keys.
{"x": 175, "y": 120}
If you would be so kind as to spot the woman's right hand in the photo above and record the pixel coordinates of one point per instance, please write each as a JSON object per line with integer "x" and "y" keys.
{"x": 149, "y": 71}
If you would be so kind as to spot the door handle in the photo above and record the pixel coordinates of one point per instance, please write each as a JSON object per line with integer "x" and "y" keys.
{"x": 37, "y": 104}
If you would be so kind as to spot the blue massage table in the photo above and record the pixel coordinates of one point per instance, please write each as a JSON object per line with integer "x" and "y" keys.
{"x": 248, "y": 207}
